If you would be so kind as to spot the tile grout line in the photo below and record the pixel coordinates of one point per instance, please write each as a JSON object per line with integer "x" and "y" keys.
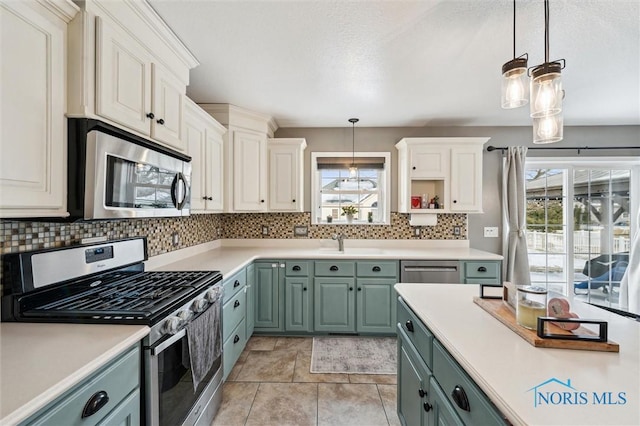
{"x": 384, "y": 410}
{"x": 255, "y": 395}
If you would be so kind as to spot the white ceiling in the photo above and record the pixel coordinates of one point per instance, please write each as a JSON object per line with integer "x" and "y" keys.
{"x": 315, "y": 63}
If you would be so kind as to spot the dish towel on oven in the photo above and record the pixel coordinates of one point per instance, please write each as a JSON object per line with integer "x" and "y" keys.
{"x": 205, "y": 346}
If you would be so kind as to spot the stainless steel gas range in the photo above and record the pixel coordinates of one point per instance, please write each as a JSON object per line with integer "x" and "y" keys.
{"x": 106, "y": 283}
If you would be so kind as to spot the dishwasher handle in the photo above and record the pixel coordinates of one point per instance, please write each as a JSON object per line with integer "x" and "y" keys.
{"x": 424, "y": 268}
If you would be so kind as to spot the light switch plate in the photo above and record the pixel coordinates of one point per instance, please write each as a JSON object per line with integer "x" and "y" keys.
{"x": 491, "y": 232}
{"x": 300, "y": 231}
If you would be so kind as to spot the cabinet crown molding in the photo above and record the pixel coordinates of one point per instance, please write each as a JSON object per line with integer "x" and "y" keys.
{"x": 232, "y": 115}
{"x": 63, "y": 9}
{"x": 442, "y": 141}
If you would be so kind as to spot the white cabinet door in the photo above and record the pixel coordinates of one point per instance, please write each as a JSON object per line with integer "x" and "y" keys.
{"x": 195, "y": 139}
{"x": 123, "y": 79}
{"x": 429, "y": 162}
{"x": 285, "y": 174}
{"x": 167, "y": 107}
{"x": 33, "y": 136}
{"x": 215, "y": 170}
{"x": 249, "y": 171}
{"x": 466, "y": 179}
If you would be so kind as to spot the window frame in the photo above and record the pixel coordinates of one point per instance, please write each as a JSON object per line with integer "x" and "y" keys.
{"x": 385, "y": 188}
{"x": 570, "y": 164}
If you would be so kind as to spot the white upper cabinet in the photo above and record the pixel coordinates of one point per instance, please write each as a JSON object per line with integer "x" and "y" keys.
{"x": 246, "y": 174}
{"x": 203, "y": 137}
{"x": 249, "y": 172}
{"x": 286, "y": 174}
{"x": 33, "y": 134}
{"x": 449, "y": 168}
{"x": 126, "y": 67}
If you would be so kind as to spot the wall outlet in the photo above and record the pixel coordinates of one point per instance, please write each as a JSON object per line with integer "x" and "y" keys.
{"x": 265, "y": 230}
{"x": 175, "y": 239}
{"x": 456, "y": 230}
{"x": 491, "y": 232}
{"x": 417, "y": 231}
{"x": 300, "y": 231}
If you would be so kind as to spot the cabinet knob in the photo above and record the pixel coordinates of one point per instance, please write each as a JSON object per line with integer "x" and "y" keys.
{"x": 414, "y": 167}
{"x": 95, "y": 403}
{"x": 409, "y": 325}
{"x": 350, "y": 288}
{"x": 204, "y": 198}
{"x": 236, "y": 283}
{"x": 304, "y": 289}
{"x": 151, "y": 115}
{"x": 236, "y": 304}
{"x": 455, "y": 201}
{"x": 333, "y": 268}
{"x": 460, "y": 398}
{"x": 236, "y": 339}
{"x": 482, "y": 269}
{"x": 421, "y": 392}
{"x": 359, "y": 288}
{"x": 210, "y": 198}
{"x": 161, "y": 121}
{"x": 296, "y": 268}
{"x": 427, "y": 407}
{"x": 376, "y": 269}
{"x": 294, "y": 200}
{"x": 262, "y": 201}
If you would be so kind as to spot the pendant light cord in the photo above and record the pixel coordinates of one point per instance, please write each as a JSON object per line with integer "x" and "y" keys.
{"x": 514, "y": 29}
{"x": 546, "y": 31}
{"x": 353, "y": 143}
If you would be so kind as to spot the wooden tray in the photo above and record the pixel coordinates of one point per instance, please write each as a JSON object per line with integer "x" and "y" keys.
{"x": 506, "y": 316}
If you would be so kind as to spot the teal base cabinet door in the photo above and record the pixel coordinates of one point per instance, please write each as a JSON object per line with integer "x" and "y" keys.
{"x": 443, "y": 412}
{"x": 267, "y": 295}
{"x": 376, "y": 305}
{"x": 414, "y": 405}
{"x": 334, "y": 304}
{"x": 250, "y": 289}
{"x": 297, "y": 296}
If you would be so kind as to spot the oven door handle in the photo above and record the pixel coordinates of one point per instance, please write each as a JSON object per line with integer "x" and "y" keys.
{"x": 155, "y": 350}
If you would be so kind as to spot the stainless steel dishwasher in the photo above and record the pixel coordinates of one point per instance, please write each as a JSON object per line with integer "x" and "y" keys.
{"x": 430, "y": 271}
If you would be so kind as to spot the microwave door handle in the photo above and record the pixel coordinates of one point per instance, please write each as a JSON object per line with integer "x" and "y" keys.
{"x": 179, "y": 191}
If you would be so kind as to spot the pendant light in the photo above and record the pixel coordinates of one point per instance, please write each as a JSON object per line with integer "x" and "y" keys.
{"x": 547, "y": 94}
{"x": 353, "y": 169}
{"x": 515, "y": 87}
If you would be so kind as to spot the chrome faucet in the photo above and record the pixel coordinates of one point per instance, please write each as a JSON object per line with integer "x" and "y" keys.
{"x": 340, "y": 238}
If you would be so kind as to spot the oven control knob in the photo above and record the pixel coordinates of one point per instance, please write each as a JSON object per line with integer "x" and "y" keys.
{"x": 212, "y": 295}
{"x": 185, "y": 315}
{"x": 199, "y": 305}
{"x": 172, "y": 325}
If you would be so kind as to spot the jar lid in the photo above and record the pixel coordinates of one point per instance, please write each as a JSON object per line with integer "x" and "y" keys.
{"x": 533, "y": 289}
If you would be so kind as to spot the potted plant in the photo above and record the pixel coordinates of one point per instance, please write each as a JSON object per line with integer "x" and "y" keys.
{"x": 349, "y": 211}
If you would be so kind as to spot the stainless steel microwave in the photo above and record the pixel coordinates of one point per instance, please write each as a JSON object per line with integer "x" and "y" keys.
{"x": 115, "y": 174}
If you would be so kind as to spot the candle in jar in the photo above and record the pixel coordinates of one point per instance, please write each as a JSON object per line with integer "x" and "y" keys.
{"x": 528, "y": 312}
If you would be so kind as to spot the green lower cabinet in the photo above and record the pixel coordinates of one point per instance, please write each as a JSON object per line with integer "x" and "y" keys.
{"x": 250, "y": 289}
{"x": 267, "y": 291}
{"x": 443, "y": 412}
{"x": 376, "y": 307}
{"x": 297, "y": 302}
{"x": 414, "y": 407}
{"x": 334, "y": 304}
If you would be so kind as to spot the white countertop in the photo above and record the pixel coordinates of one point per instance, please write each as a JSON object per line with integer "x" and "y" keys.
{"x": 506, "y": 367}
{"x": 39, "y": 362}
{"x": 229, "y": 256}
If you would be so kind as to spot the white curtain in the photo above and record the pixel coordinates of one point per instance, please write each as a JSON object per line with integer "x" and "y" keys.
{"x": 516, "y": 264}
{"x": 630, "y": 284}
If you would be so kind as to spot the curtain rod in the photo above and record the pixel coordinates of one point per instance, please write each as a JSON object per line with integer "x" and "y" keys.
{"x": 502, "y": 149}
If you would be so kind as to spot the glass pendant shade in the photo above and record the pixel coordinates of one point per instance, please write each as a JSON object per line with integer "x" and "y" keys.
{"x": 515, "y": 87}
{"x": 548, "y": 129}
{"x": 546, "y": 90}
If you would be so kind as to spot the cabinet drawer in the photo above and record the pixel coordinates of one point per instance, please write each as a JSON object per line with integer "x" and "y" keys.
{"x": 118, "y": 380}
{"x": 233, "y": 312}
{"x": 233, "y": 347}
{"x": 490, "y": 281}
{"x": 384, "y": 269}
{"x": 296, "y": 269}
{"x": 337, "y": 268}
{"x": 454, "y": 380}
{"x": 481, "y": 269}
{"x": 234, "y": 283}
{"x": 418, "y": 334}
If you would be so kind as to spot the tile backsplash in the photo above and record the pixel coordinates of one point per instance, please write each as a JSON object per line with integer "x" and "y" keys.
{"x": 19, "y": 236}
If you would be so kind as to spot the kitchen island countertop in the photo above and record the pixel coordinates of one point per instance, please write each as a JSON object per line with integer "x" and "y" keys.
{"x": 39, "y": 362}
{"x": 604, "y": 387}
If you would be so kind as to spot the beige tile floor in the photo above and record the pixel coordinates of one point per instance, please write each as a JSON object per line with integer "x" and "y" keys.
{"x": 271, "y": 385}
